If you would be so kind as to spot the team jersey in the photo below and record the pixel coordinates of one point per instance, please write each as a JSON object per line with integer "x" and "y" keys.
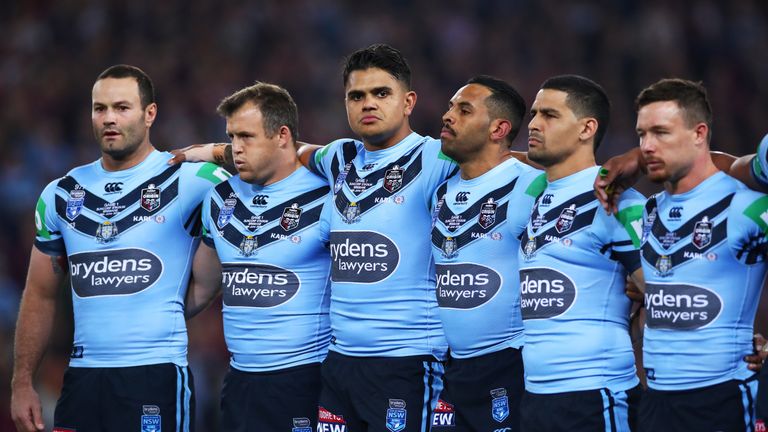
{"x": 574, "y": 259}
{"x": 475, "y": 238}
{"x": 129, "y": 237}
{"x": 383, "y": 277}
{"x": 703, "y": 258}
{"x": 275, "y": 268}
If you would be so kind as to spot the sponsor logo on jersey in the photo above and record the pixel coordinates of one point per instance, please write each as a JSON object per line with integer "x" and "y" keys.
{"x": 487, "y": 215}
{"x": 546, "y": 200}
{"x": 260, "y": 200}
{"x": 77, "y": 352}
{"x": 249, "y": 245}
{"x": 368, "y": 167}
{"x": 680, "y": 307}
{"x": 362, "y": 256}
{"x": 545, "y": 293}
{"x": 675, "y": 213}
{"x": 150, "y": 198}
{"x": 499, "y": 404}
{"x": 75, "y": 202}
{"x": 663, "y": 266}
{"x": 106, "y": 232}
{"x": 113, "y": 187}
{"x": 393, "y": 179}
{"x": 329, "y": 422}
{"x": 461, "y": 197}
{"x": 257, "y": 285}
{"x": 648, "y": 224}
{"x": 114, "y": 272}
{"x": 396, "y": 415}
{"x": 301, "y": 424}
{"x": 341, "y": 177}
{"x": 565, "y": 220}
{"x": 291, "y": 217}
{"x": 465, "y": 285}
{"x": 150, "y": 418}
{"x": 702, "y": 233}
{"x": 225, "y": 212}
{"x": 444, "y": 414}
{"x": 351, "y": 213}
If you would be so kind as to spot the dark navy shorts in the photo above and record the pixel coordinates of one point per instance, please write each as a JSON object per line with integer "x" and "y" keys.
{"x": 378, "y": 394}
{"x": 728, "y": 406}
{"x": 141, "y": 398}
{"x": 481, "y": 393}
{"x": 581, "y": 411}
{"x": 282, "y": 400}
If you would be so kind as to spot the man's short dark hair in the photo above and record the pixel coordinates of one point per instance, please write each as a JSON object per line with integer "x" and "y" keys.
{"x": 504, "y": 102}
{"x": 379, "y": 56}
{"x": 146, "y": 88}
{"x": 275, "y": 103}
{"x": 586, "y": 98}
{"x": 690, "y": 96}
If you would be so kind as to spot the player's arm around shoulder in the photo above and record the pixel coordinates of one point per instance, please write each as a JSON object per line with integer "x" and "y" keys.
{"x": 205, "y": 280}
{"x": 748, "y": 224}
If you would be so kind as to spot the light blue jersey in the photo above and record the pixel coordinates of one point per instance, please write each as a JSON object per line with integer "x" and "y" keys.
{"x": 383, "y": 277}
{"x": 275, "y": 268}
{"x": 703, "y": 258}
{"x": 129, "y": 237}
{"x": 475, "y": 239}
{"x": 573, "y": 263}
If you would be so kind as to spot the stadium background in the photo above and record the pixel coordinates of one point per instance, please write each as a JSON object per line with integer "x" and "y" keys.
{"x": 199, "y": 51}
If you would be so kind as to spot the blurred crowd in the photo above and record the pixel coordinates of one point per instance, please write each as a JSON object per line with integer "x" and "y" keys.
{"x": 199, "y": 51}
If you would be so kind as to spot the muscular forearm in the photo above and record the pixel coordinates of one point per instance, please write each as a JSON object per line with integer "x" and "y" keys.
{"x": 33, "y": 330}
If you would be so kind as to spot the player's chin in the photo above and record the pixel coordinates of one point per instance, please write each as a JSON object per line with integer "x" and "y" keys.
{"x": 657, "y": 176}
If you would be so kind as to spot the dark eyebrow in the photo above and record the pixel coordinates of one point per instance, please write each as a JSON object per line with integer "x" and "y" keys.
{"x": 547, "y": 111}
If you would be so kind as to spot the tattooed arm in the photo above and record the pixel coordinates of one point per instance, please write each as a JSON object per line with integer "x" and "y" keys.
{"x": 33, "y": 330}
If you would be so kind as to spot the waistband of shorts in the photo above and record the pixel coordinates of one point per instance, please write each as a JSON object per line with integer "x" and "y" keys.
{"x": 343, "y": 357}
{"x": 297, "y": 368}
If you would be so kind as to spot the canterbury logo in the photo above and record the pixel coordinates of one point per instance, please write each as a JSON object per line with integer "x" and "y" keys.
{"x": 546, "y": 199}
{"x": 675, "y": 212}
{"x": 113, "y": 187}
{"x": 462, "y": 197}
{"x": 260, "y": 200}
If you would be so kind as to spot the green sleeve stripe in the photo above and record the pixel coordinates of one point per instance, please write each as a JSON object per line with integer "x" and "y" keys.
{"x": 320, "y": 154}
{"x": 758, "y": 212}
{"x": 537, "y": 186}
{"x": 441, "y": 155}
{"x": 213, "y": 173}
{"x": 631, "y": 218}
{"x": 756, "y": 168}
{"x": 42, "y": 229}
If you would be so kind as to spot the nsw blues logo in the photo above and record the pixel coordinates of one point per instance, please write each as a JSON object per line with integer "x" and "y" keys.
{"x": 249, "y": 245}
{"x": 106, "y": 232}
{"x": 449, "y": 247}
{"x": 487, "y": 214}
{"x": 396, "y": 415}
{"x": 565, "y": 221}
{"x": 225, "y": 213}
{"x": 664, "y": 266}
{"x": 150, "y": 419}
{"x": 499, "y": 404}
{"x": 75, "y": 202}
{"x": 351, "y": 213}
{"x": 702, "y": 233}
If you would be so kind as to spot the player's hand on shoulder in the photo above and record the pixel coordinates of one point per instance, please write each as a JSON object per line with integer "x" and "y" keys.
{"x": 193, "y": 153}
{"x": 26, "y": 410}
{"x": 617, "y": 174}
